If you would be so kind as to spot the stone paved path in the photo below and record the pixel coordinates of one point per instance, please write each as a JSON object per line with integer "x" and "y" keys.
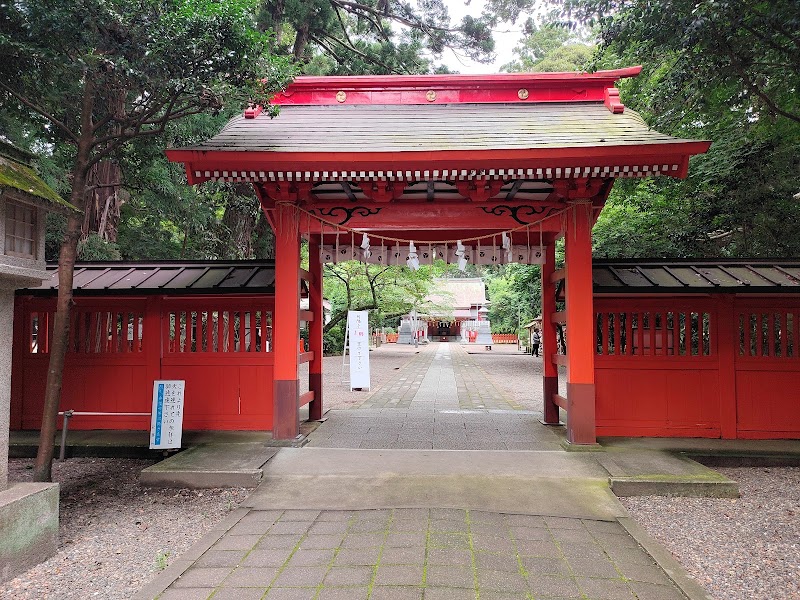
{"x": 400, "y": 554}
{"x": 441, "y": 400}
{"x": 441, "y": 377}
{"x": 441, "y": 430}
{"x": 475, "y": 548}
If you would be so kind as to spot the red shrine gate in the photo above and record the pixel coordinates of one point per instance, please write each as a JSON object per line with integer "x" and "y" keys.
{"x": 432, "y": 160}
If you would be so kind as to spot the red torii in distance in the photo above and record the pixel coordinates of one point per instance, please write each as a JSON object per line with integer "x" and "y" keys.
{"x": 434, "y": 159}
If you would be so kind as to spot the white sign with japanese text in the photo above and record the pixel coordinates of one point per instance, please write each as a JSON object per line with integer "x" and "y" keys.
{"x": 358, "y": 331}
{"x": 166, "y": 420}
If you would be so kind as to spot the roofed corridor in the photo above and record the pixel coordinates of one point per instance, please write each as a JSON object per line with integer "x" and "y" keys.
{"x": 441, "y": 399}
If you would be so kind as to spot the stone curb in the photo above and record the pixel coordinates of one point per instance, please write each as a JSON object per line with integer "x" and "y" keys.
{"x": 690, "y": 588}
{"x": 206, "y": 479}
{"x": 632, "y": 486}
{"x": 169, "y": 575}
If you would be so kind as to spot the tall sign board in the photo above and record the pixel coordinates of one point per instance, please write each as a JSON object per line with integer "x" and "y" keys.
{"x": 166, "y": 420}
{"x": 358, "y": 331}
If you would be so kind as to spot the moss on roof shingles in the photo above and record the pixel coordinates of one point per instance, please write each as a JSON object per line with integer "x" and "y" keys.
{"x": 18, "y": 176}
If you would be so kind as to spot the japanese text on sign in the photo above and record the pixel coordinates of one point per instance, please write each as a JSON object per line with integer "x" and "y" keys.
{"x": 166, "y": 421}
{"x": 358, "y": 330}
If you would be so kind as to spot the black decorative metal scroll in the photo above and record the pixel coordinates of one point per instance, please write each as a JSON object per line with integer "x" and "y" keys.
{"x": 347, "y": 212}
{"x": 517, "y": 212}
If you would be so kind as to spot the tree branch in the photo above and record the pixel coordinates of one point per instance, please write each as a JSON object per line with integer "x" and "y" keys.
{"x": 755, "y": 89}
{"x": 36, "y": 108}
{"x": 359, "y": 53}
{"x": 414, "y": 23}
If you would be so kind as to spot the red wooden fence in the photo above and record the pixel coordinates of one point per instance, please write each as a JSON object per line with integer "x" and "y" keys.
{"x": 697, "y": 367}
{"x": 119, "y": 346}
{"x": 504, "y": 338}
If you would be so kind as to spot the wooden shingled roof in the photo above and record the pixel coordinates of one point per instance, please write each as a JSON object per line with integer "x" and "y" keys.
{"x": 439, "y": 128}
{"x": 164, "y": 278}
{"x": 696, "y": 277}
{"x": 404, "y": 128}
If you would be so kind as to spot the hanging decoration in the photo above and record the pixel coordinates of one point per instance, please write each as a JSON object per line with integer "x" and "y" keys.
{"x": 365, "y": 250}
{"x": 478, "y": 250}
{"x": 412, "y": 260}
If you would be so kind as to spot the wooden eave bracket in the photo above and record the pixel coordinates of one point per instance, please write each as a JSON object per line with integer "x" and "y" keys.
{"x": 612, "y": 101}
{"x": 384, "y": 191}
{"x": 252, "y": 111}
{"x": 581, "y": 188}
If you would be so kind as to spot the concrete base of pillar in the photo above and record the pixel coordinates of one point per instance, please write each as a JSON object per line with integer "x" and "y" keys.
{"x": 581, "y": 414}
{"x": 550, "y": 409}
{"x": 285, "y": 417}
{"x": 28, "y": 526}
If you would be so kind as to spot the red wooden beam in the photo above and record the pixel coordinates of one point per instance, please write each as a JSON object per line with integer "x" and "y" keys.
{"x": 306, "y": 398}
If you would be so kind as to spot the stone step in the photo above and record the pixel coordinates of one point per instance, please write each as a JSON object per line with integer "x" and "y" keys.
{"x": 211, "y": 466}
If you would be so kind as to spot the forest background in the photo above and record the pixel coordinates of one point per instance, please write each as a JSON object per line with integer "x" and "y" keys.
{"x": 724, "y": 71}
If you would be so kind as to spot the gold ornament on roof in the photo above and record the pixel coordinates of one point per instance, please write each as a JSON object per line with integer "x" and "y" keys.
{"x": 430, "y": 96}
{"x": 341, "y": 96}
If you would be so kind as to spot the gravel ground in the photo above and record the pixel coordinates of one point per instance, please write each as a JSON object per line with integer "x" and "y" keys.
{"x": 743, "y": 548}
{"x": 114, "y": 534}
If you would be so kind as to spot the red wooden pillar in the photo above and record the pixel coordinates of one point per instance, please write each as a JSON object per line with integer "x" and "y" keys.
{"x": 724, "y": 334}
{"x": 315, "y": 328}
{"x": 153, "y": 338}
{"x": 549, "y": 347}
{"x": 580, "y": 325}
{"x": 286, "y": 323}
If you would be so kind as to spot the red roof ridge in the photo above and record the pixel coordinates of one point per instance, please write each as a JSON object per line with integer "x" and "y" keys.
{"x": 454, "y": 88}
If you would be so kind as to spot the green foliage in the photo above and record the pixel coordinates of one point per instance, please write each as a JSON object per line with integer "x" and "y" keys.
{"x": 727, "y": 71}
{"x": 550, "y": 47}
{"x": 649, "y": 218}
{"x": 144, "y": 63}
{"x": 386, "y": 291}
{"x": 747, "y": 51}
{"x": 138, "y": 69}
{"x": 96, "y": 248}
{"x": 166, "y": 219}
{"x": 54, "y": 233}
{"x": 515, "y": 296}
{"x": 372, "y": 36}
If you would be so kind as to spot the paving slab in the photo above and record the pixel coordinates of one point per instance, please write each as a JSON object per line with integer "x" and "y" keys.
{"x": 484, "y": 504}
{"x": 211, "y": 466}
{"x": 487, "y": 555}
{"x": 546, "y": 483}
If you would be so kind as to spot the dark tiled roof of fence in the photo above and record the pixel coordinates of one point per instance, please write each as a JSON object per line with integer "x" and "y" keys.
{"x": 696, "y": 276}
{"x": 164, "y": 278}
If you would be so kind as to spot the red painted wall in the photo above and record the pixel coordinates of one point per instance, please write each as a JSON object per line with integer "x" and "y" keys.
{"x": 720, "y": 379}
{"x": 119, "y": 347}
